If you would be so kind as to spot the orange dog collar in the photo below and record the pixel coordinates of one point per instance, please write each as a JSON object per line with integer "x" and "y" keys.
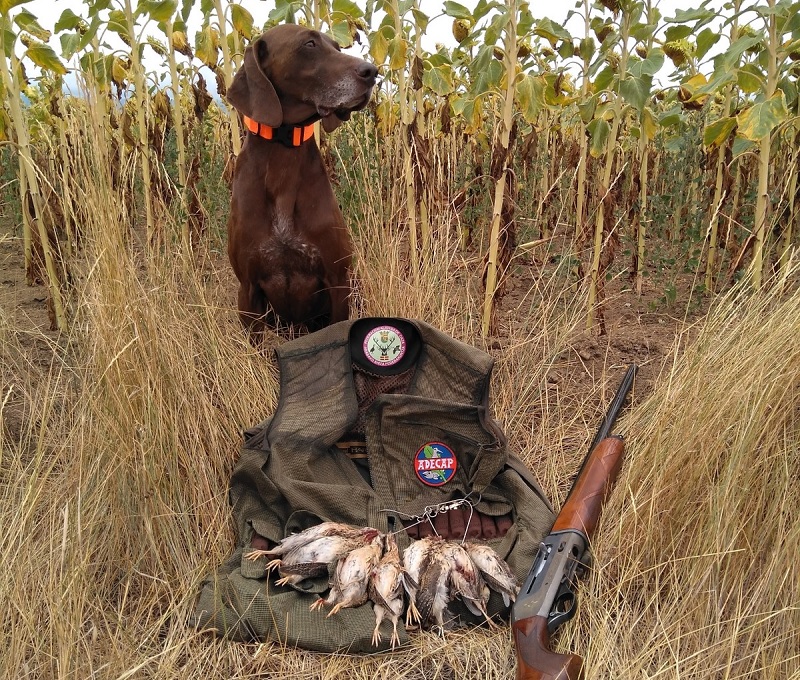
{"x": 288, "y": 135}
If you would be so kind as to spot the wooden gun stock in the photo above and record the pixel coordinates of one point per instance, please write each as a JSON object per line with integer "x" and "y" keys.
{"x": 535, "y": 661}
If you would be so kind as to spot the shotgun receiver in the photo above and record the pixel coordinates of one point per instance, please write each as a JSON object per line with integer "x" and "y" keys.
{"x": 547, "y": 599}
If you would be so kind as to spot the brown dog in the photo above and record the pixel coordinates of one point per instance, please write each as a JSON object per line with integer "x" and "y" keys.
{"x": 287, "y": 241}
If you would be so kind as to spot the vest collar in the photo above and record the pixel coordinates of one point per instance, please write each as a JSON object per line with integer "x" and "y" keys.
{"x": 288, "y": 135}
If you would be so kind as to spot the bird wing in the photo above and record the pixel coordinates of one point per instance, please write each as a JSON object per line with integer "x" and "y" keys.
{"x": 431, "y": 574}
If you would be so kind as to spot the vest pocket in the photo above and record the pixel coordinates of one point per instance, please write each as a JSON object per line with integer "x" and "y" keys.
{"x": 425, "y": 451}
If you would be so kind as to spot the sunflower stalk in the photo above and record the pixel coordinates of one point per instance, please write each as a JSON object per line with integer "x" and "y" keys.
{"x": 510, "y": 66}
{"x": 29, "y": 182}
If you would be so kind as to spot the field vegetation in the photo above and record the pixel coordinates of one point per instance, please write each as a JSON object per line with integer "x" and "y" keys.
{"x": 528, "y": 191}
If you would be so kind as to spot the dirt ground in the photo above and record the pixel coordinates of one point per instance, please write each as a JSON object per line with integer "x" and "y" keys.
{"x": 639, "y": 329}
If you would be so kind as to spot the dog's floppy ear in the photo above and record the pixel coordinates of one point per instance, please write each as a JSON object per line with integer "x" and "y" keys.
{"x": 332, "y": 120}
{"x": 251, "y": 92}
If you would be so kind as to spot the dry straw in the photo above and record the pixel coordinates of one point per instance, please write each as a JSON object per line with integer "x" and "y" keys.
{"x": 113, "y": 480}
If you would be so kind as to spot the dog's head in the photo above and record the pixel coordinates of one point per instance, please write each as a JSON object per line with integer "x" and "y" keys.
{"x": 291, "y": 73}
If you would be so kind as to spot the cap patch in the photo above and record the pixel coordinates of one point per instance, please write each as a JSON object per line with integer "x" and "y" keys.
{"x": 435, "y": 464}
{"x": 384, "y": 346}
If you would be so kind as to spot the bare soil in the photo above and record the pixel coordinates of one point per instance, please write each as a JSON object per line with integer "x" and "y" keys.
{"x": 641, "y": 329}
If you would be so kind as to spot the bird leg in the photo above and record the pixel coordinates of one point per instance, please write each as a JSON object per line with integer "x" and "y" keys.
{"x": 319, "y": 603}
{"x": 412, "y": 614}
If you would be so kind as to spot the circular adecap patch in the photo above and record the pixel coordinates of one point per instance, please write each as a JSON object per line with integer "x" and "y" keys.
{"x": 384, "y": 346}
{"x": 435, "y": 464}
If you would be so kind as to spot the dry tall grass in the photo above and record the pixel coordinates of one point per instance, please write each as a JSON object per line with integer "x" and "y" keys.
{"x": 113, "y": 497}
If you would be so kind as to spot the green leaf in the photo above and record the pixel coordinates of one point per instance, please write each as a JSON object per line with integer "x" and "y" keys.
{"x": 718, "y": 131}
{"x": 70, "y": 44}
{"x": 45, "y": 57}
{"x": 675, "y": 144}
{"x": 6, "y": 5}
{"x": 750, "y": 80}
{"x": 705, "y": 41}
{"x": 453, "y": 9}
{"x": 789, "y": 88}
{"x": 529, "y": 94}
{"x": 483, "y": 8}
{"x": 643, "y": 32}
{"x": 586, "y": 49}
{"x": 242, "y": 21}
{"x": 566, "y": 50}
{"x": 649, "y": 66}
{"x": 729, "y": 59}
{"x": 186, "y": 10}
{"x": 482, "y": 59}
{"x": 438, "y": 79}
{"x": 636, "y": 91}
{"x": 27, "y": 22}
{"x": 348, "y": 7}
{"x": 420, "y": 19}
{"x": 759, "y": 120}
{"x": 341, "y": 33}
{"x": 525, "y": 21}
{"x": 98, "y": 6}
{"x": 683, "y": 16}
{"x": 604, "y": 79}
{"x": 158, "y": 10}
{"x": 598, "y": 133}
{"x": 741, "y": 146}
{"x": 488, "y": 79}
{"x": 68, "y": 21}
{"x": 495, "y": 28}
{"x": 117, "y": 22}
{"x": 9, "y": 39}
{"x": 678, "y": 32}
{"x": 670, "y": 120}
{"x": 551, "y": 31}
{"x": 587, "y": 108}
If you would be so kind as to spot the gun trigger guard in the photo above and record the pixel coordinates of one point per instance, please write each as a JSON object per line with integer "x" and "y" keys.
{"x": 564, "y": 607}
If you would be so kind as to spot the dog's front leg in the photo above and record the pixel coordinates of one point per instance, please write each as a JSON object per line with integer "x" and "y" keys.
{"x": 340, "y": 302}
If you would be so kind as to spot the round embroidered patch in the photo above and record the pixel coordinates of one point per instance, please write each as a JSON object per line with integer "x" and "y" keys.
{"x": 435, "y": 464}
{"x": 384, "y": 346}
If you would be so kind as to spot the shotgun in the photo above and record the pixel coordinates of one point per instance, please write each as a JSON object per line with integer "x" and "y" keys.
{"x": 547, "y": 599}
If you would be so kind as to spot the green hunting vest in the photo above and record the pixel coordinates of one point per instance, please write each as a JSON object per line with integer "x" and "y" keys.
{"x": 291, "y": 475}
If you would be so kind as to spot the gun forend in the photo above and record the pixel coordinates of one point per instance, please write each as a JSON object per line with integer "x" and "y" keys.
{"x": 581, "y": 510}
{"x": 535, "y": 661}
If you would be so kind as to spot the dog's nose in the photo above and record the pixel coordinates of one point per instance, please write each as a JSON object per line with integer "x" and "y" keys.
{"x": 367, "y": 71}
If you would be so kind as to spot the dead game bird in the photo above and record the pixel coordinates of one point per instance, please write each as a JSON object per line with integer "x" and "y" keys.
{"x": 351, "y": 578}
{"x": 495, "y": 571}
{"x": 433, "y": 593}
{"x": 301, "y": 538}
{"x": 313, "y": 559}
{"x": 413, "y": 558}
{"x": 466, "y": 581}
{"x": 309, "y": 558}
{"x": 386, "y": 585}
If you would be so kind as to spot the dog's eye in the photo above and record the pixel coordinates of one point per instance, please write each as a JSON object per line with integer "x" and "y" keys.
{"x": 311, "y": 43}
